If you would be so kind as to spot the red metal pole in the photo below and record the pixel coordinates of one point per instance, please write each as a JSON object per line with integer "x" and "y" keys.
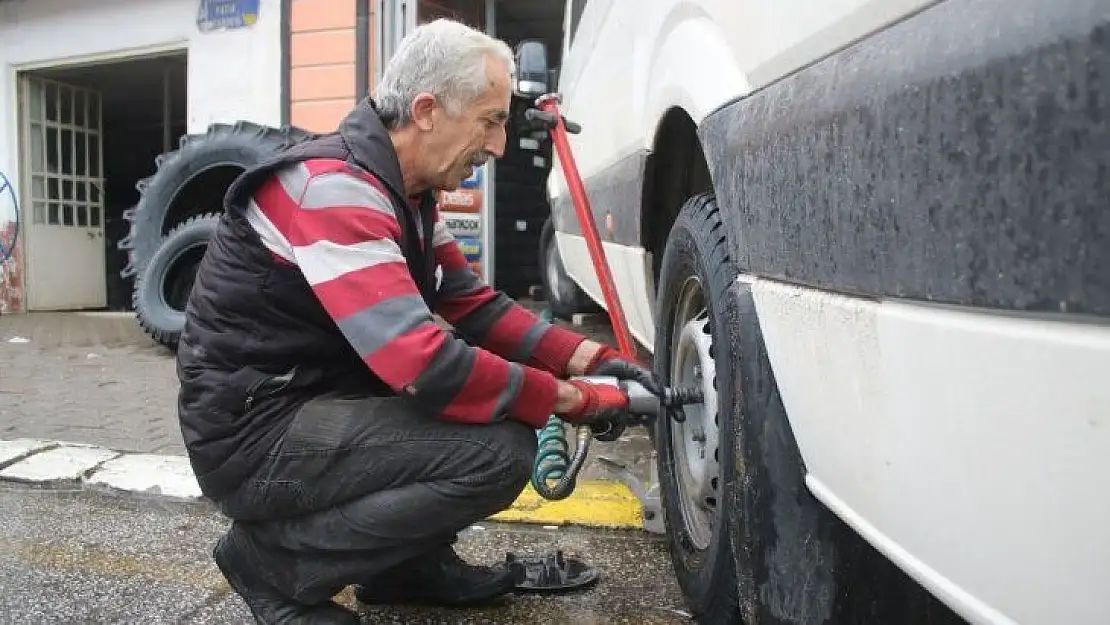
{"x": 589, "y": 229}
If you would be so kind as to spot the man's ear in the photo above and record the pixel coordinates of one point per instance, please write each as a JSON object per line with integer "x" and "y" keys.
{"x": 423, "y": 111}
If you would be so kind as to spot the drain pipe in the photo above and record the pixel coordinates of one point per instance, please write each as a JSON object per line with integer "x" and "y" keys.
{"x": 362, "y": 50}
{"x": 286, "y": 61}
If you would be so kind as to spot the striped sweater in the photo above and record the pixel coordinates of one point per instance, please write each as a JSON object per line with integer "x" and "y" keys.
{"x": 340, "y": 230}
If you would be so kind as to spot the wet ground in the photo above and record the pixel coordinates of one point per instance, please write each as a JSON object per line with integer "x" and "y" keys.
{"x": 86, "y": 557}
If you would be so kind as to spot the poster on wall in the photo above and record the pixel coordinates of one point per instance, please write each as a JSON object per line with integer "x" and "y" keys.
{"x": 226, "y": 14}
{"x": 461, "y": 212}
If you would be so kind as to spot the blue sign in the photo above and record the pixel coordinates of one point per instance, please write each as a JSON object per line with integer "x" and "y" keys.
{"x": 475, "y": 179}
{"x": 226, "y": 14}
{"x": 470, "y": 246}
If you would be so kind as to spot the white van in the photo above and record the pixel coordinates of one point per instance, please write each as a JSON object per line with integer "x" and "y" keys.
{"x": 876, "y": 233}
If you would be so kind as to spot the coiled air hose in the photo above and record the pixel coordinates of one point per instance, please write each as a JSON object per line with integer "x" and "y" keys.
{"x": 555, "y": 472}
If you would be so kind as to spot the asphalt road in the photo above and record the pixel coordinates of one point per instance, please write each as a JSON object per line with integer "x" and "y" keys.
{"x": 78, "y": 556}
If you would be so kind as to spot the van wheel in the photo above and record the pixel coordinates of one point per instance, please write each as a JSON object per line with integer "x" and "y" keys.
{"x": 694, "y": 346}
{"x": 748, "y": 540}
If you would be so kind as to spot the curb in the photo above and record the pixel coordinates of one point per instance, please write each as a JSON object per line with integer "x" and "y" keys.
{"x": 45, "y": 463}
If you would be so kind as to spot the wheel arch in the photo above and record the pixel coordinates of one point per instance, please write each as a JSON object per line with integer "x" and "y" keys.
{"x": 676, "y": 170}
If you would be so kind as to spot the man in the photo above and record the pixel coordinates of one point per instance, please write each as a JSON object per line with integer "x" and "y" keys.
{"x": 347, "y": 435}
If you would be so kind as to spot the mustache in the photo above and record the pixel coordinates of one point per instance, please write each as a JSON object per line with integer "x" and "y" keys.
{"x": 480, "y": 158}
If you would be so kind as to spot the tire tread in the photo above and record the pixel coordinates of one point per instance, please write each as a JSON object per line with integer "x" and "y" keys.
{"x": 165, "y": 336}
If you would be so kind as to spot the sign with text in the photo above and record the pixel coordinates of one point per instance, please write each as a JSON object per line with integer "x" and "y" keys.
{"x": 462, "y": 224}
{"x": 226, "y": 14}
{"x": 461, "y": 201}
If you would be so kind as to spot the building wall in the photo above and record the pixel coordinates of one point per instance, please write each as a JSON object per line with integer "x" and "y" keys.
{"x": 322, "y": 54}
{"x": 232, "y": 74}
{"x": 322, "y": 62}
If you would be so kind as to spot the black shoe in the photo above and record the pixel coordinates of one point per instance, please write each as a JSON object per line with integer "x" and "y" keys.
{"x": 267, "y": 605}
{"x": 441, "y": 578}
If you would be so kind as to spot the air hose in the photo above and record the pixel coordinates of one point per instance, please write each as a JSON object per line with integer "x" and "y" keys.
{"x": 555, "y": 472}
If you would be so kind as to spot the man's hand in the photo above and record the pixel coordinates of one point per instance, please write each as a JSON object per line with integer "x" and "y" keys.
{"x": 567, "y": 398}
{"x": 608, "y": 361}
{"x": 591, "y": 403}
{"x": 603, "y": 407}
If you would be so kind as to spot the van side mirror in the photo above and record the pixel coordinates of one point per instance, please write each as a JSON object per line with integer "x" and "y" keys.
{"x": 531, "y": 69}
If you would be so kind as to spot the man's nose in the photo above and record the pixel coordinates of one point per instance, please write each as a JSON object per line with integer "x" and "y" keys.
{"x": 495, "y": 145}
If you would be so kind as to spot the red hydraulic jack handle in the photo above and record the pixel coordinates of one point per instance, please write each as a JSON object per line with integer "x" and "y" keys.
{"x": 549, "y": 113}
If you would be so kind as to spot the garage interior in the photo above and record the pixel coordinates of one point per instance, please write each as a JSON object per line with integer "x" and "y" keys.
{"x": 143, "y": 108}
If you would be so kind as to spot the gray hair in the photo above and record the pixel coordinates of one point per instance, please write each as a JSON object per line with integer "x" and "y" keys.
{"x": 444, "y": 58}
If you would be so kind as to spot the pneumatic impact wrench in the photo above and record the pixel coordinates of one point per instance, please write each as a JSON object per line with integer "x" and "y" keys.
{"x": 556, "y": 470}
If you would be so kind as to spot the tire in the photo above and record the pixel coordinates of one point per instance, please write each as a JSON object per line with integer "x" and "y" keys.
{"x": 163, "y": 288}
{"x": 167, "y": 197}
{"x": 564, "y": 296}
{"x": 775, "y": 550}
{"x": 698, "y": 536}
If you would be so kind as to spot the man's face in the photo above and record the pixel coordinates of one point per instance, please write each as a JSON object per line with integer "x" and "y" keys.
{"x": 457, "y": 145}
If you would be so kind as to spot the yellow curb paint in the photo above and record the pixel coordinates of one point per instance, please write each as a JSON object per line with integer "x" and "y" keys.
{"x": 597, "y": 503}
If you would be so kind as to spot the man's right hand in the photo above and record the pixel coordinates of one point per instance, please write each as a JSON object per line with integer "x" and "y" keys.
{"x": 604, "y": 406}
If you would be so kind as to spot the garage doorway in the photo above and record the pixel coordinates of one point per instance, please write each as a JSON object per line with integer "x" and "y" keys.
{"x": 89, "y": 133}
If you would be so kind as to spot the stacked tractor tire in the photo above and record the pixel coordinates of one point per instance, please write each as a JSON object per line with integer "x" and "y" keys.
{"x": 178, "y": 210}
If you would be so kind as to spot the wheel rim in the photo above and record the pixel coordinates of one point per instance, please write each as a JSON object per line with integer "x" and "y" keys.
{"x": 694, "y": 441}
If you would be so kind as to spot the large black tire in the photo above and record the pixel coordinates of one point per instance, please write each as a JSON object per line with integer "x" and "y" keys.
{"x": 564, "y": 297}
{"x": 163, "y": 288}
{"x": 193, "y": 179}
{"x": 700, "y": 552}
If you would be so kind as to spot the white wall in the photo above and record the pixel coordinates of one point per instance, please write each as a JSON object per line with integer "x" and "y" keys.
{"x": 232, "y": 74}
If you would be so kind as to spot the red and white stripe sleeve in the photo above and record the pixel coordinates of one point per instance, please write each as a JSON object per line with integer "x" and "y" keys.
{"x": 339, "y": 228}
{"x": 491, "y": 319}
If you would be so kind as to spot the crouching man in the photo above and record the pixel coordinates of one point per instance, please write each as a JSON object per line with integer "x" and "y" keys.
{"x": 345, "y": 433}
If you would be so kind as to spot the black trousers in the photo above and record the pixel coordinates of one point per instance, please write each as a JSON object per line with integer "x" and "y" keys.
{"x": 358, "y": 486}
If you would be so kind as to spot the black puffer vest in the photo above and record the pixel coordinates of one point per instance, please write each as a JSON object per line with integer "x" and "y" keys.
{"x": 257, "y": 343}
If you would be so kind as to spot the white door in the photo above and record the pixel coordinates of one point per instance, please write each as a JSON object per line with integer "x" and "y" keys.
{"x": 62, "y": 185}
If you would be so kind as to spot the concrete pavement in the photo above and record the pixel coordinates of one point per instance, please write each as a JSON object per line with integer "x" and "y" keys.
{"x": 90, "y": 378}
{"x": 73, "y": 555}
